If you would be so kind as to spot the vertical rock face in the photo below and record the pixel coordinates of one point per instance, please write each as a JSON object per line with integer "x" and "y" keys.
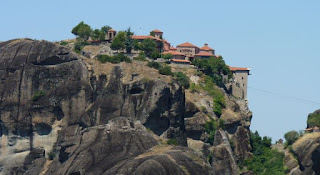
{"x": 223, "y": 161}
{"x": 45, "y": 89}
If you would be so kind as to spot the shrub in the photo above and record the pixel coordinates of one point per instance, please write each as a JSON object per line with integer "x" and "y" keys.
{"x": 291, "y": 137}
{"x": 165, "y": 70}
{"x": 221, "y": 124}
{"x": 182, "y": 79}
{"x": 194, "y": 88}
{"x": 51, "y": 155}
{"x": 154, "y": 65}
{"x": 114, "y": 59}
{"x": 172, "y": 142}
{"x": 210, "y": 128}
{"x": 63, "y": 43}
{"x": 140, "y": 57}
{"x": 78, "y": 46}
{"x": 38, "y": 94}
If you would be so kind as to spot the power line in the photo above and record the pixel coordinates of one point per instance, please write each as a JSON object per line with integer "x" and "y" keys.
{"x": 284, "y": 96}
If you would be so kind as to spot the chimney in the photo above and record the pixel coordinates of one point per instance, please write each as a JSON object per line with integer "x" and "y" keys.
{"x": 205, "y": 44}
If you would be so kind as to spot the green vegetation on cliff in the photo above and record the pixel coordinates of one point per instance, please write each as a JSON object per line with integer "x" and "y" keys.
{"x": 265, "y": 160}
{"x": 314, "y": 119}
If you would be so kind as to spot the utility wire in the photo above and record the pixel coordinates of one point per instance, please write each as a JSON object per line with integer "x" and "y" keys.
{"x": 284, "y": 96}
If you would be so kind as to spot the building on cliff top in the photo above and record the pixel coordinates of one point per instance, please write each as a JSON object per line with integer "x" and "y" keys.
{"x": 239, "y": 83}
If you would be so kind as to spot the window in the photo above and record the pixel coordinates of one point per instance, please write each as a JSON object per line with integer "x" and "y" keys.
{"x": 242, "y": 77}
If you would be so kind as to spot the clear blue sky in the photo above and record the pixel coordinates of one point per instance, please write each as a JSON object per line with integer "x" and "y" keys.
{"x": 279, "y": 40}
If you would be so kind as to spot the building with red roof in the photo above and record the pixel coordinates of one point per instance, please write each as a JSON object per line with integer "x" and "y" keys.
{"x": 239, "y": 81}
{"x": 111, "y": 34}
{"x": 203, "y": 54}
{"x": 188, "y": 49}
{"x": 175, "y": 54}
{"x": 206, "y": 48}
{"x": 179, "y": 61}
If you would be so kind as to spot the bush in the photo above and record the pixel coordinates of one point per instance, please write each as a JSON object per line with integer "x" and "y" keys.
{"x": 194, "y": 88}
{"x": 291, "y": 137}
{"x": 221, "y": 124}
{"x": 114, "y": 59}
{"x": 210, "y": 128}
{"x": 172, "y": 142}
{"x": 51, "y": 155}
{"x": 140, "y": 57}
{"x": 165, "y": 70}
{"x": 154, "y": 65}
{"x": 63, "y": 43}
{"x": 38, "y": 94}
{"x": 182, "y": 79}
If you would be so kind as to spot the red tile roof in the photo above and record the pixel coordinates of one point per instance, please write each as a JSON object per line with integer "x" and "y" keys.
{"x": 157, "y": 31}
{"x": 181, "y": 61}
{"x": 204, "y": 54}
{"x": 111, "y": 30}
{"x": 186, "y": 44}
{"x": 238, "y": 68}
{"x": 173, "y": 48}
{"x": 206, "y": 48}
{"x": 173, "y": 53}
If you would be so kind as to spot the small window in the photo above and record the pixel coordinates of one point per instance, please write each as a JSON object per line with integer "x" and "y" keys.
{"x": 242, "y": 77}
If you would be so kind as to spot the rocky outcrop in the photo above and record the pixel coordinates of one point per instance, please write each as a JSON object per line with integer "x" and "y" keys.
{"x": 48, "y": 92}
{"x": 222, "y": 158}
{"x": 307, "y": 151}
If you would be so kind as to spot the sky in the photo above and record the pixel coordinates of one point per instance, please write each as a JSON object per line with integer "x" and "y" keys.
{"x": 278, "y": 40}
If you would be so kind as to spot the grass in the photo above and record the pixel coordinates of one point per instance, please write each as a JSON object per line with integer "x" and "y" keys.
{"x": 172, "y": 142}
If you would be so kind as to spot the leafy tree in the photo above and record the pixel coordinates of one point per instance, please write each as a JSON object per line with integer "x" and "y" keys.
{"x": 118, "y": 42}
{"x": 167, "y": 56}
{"x": 129, "y": 42}
{"x": 152, "y": 33}
{"x": 214, "y": 67}
{"x": 137, "y": 45}
{"x": 105, "y": 29}
{"x": 313, "y": 120}
{"x": 155, "y": 54}
{"x": 98, "y": 35}
{"x": 182, "y": 79}
{"x": 148, "y": 46}
{"x": 265, "y": 160}
{"x": 291, "y": 137}
{"x": 82, "y": 30}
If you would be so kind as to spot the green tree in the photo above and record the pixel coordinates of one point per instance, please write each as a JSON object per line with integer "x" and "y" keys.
{"x": 152, "y": 33}
{"x": 313, "y": 120}
{"x": 155, "y": 54}
{"x": 97, "y": 35}
{"x": 291, "y": 137}
{"x": 215, "y": 68}
{"x": 118, "y": 42}
{"x": 148, "y": 46}
{"x": 105, "y": 29}
{"x": 167, "y": 56}
{"x": 265, "y": 160}
{"x": 82, "y": 30}
{"x": 129, "y": 42}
